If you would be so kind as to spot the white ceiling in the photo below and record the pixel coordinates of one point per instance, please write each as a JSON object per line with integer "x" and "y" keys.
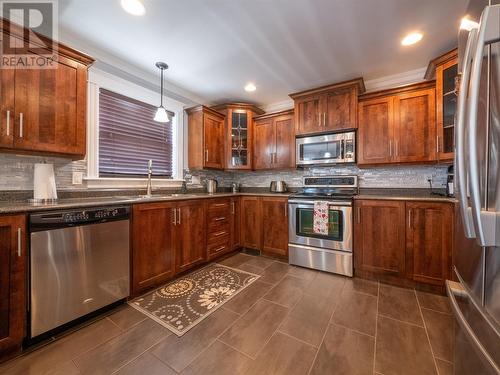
{"x": 214, "y": 47}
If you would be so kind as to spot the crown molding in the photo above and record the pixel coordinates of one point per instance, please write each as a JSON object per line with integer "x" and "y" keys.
{"x": 395, "y": 80}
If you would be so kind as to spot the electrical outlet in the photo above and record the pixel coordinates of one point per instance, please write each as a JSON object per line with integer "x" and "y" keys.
{"x": 77, "y": 178}
{"x": 195, "y": 180}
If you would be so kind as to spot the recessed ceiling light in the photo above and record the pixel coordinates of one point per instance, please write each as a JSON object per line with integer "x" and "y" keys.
{"x": 134, "y": 7}
{"x": 468, "y": 24}
{"x": 250, "y": 87}
{"x": 411, "y": 38}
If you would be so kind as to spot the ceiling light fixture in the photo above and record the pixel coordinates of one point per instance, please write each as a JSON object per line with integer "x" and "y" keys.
{"x": 412, "y": 38}
{"x": 250, "y": 87}
{"x": 134, "y": 7}
{"x": 467, "y": 24}
{"x": 161, "y": 112}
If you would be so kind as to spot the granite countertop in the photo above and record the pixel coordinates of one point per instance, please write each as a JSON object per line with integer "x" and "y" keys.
{"x": 17, "y": 206}
{"x": 405, "y": 194}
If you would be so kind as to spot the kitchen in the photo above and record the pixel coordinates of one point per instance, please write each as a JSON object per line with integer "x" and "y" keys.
{"x": 224, "y": 187}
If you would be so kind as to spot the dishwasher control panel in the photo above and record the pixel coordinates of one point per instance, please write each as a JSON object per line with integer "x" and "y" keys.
{"x": 58, "y": 219}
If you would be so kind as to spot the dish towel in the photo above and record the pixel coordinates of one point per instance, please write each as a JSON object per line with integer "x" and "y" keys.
{"x": 320, "y": 224}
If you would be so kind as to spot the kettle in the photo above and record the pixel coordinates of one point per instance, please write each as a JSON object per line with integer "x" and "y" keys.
{"x": 211, "y": 186}
{"x": 278, "y": 187}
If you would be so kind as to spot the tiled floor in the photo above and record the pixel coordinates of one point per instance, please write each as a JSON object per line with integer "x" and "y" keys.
{"x": 291, "y": 321}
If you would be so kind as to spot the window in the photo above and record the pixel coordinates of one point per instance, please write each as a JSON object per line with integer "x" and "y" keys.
{"x": 129, "y": 137}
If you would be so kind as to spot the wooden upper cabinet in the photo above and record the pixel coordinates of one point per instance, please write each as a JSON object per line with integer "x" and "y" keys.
{"x": 376, "y": 127}
{"x": 190, "y": 235}
{"x": 398, "y": 125}
{"x": 239, "y": 129}
{"x": 12, "y": 284}
{"x": 274, "y": 141}
{"x": 329, "y": 108}
{"x": 153, "y": 244}
{"x": 44, "y": 110}
{"x": 275, "y": 228}
{"x": 205, "y": 138}
{"x": 445, "y": 70}
{"x": 379, "y": 237}
{"x": 429, "y": 238}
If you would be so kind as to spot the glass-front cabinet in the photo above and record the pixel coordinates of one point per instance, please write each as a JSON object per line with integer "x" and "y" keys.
{"x": 447, "y": 84}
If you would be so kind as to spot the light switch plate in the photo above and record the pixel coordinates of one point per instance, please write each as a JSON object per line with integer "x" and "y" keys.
{"x": 77, "y": 178}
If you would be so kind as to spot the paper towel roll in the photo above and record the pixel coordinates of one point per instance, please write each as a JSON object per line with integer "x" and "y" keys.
{"x": 44, "y": 182}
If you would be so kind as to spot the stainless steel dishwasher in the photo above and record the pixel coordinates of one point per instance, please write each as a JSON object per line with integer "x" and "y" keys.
{"x": 79, "y": 263}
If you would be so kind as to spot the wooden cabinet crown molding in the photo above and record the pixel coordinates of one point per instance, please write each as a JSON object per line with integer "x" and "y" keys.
{"x": 359, "y": 82}
{"x": 398, "y": 90}
{"x": 238, "y": 106}
{"x": 275, "y": 114}
{"x": 204, "y": 109}
{"x": 61, "y": 49}
{"x": 430, "y": 73}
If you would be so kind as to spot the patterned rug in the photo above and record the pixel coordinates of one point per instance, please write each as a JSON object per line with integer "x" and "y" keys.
{"x": 185, "y": 302}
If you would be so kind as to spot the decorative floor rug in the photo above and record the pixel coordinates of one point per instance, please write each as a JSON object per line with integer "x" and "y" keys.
{"x": 185, "y": 302}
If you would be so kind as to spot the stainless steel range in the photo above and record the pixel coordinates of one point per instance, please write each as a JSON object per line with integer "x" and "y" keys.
{"x": 331, "y": 252}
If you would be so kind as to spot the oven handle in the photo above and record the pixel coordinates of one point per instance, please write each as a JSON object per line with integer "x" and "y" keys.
{"x": 311, "y": 203}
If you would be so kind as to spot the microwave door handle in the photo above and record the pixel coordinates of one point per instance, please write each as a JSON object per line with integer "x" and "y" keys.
{"x": 486, "y": 34}
{"x": 460, "y": 139}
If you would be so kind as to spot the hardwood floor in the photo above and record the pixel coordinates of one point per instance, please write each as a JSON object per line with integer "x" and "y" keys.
{"x": 291, "y": 321}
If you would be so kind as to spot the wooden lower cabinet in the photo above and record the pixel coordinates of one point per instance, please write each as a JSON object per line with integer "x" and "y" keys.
{"x": 12, "y": 284}
{"x": 429, "y": 240}
{"x": 235, "y": 223}
{"x": 404, "y": 242}
{"x": 153, "y": 246}
{"x": 190, "y": 235}
{"x": 274, "y": 226}
{"x": 264, "y": 224}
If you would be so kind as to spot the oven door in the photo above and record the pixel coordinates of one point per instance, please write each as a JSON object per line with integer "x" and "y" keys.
{"x": 323, "y": 149}
{"x": 301, "y": 214}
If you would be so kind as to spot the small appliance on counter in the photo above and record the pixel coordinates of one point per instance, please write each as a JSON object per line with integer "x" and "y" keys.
{"x": 278, "y": 187}
{"x": 235, "y": 187}
{"x": 44, "y": 183}
{"x": 211, "y": 186}
{"x": 449, "y": 182}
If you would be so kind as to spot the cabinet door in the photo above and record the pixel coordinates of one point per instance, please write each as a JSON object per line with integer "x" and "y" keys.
{"x": 307, "y": 115}
{"x": 415, "y": 126}
{"x": 264, "y": 144}
{"x": 340, "y": 108}
{"x": 239, "y": 139}
{"x": 446, "y": 106}
{"x": 285, "y": 142}
{"x": 429, "y": 237}
{"x": 191, "y": 231}
{"x": 275, "y": 226}
{"x": 375, "y": 131}
{"x": 379, "y": 242}
{"x": 251, "y": 223}
{"x": 153, "y": 247}
{"x": 12, "y": 283}
{"x": 213, "y": 141}
{"x": 235, "y": 223}
{"x": 6, "y": 104}
{"x": 50, "y": 109}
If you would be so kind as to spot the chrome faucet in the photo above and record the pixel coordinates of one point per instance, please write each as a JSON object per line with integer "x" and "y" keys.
{"x": 149, "y": 187}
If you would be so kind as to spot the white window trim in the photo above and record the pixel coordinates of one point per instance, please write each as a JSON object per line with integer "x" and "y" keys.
{"x": 99, "y": 79}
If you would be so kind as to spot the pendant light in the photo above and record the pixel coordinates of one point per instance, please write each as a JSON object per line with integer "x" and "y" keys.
{"x": 161, "y": 112}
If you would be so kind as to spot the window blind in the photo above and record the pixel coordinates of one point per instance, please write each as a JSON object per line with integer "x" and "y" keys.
{"x": 129, "y": 137}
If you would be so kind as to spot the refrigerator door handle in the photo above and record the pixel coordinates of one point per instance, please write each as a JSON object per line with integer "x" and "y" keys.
{"x": 460, "y": 139}
{"x": 484, "y": 221}
{"x": 454, "y": 289}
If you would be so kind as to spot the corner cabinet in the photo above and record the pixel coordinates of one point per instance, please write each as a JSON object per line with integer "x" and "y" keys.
{"x": 398, "y": 125}
{"x": 328, "y": 108}
{"x": 404, "y": 242}
{"x": 274, "y": 141}
{"x": 239, "y": 127}
{"x": 43, "y": 111}
{"x": 13, "y": 259}
{"x": 205, "y": 138}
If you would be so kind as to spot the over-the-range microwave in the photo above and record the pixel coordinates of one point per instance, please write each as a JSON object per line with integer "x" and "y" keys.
{"x": 326, "y": 149}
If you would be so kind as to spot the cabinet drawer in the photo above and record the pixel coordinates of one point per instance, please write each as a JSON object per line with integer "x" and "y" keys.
{"x": 219, "y": 206}
{"x": 219, "y": 223}
{"x": 219, "y": 236}
{"x": 219, "y": 248}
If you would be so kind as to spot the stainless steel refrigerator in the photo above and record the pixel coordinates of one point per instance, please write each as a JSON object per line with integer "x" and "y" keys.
{"x": 475, "y": 298}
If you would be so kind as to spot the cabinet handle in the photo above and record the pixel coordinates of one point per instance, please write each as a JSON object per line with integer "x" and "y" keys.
{"x": 232, "y": 208}
{"x": 409, "y": 218}
{"x": 206, "y": 155}
{"x": 359, "y": 215}
{"x": 286, "y": 211}
{"x": 21, "y": 125}
{"x": 218, "y": 234}
{"x": 219, "y": 249}
{"x": 220, "y": 219}
{"x": 179, "y": 216}
{"x": 437, "y": 144}
{"x": 8, "y": 123}
{"x": 175, "y": 217}
{"x": 324, "y": 119}
{"x": 396, "y": 148}
{"x": 271, "y": 155}
{"x": 19, "y": 242}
